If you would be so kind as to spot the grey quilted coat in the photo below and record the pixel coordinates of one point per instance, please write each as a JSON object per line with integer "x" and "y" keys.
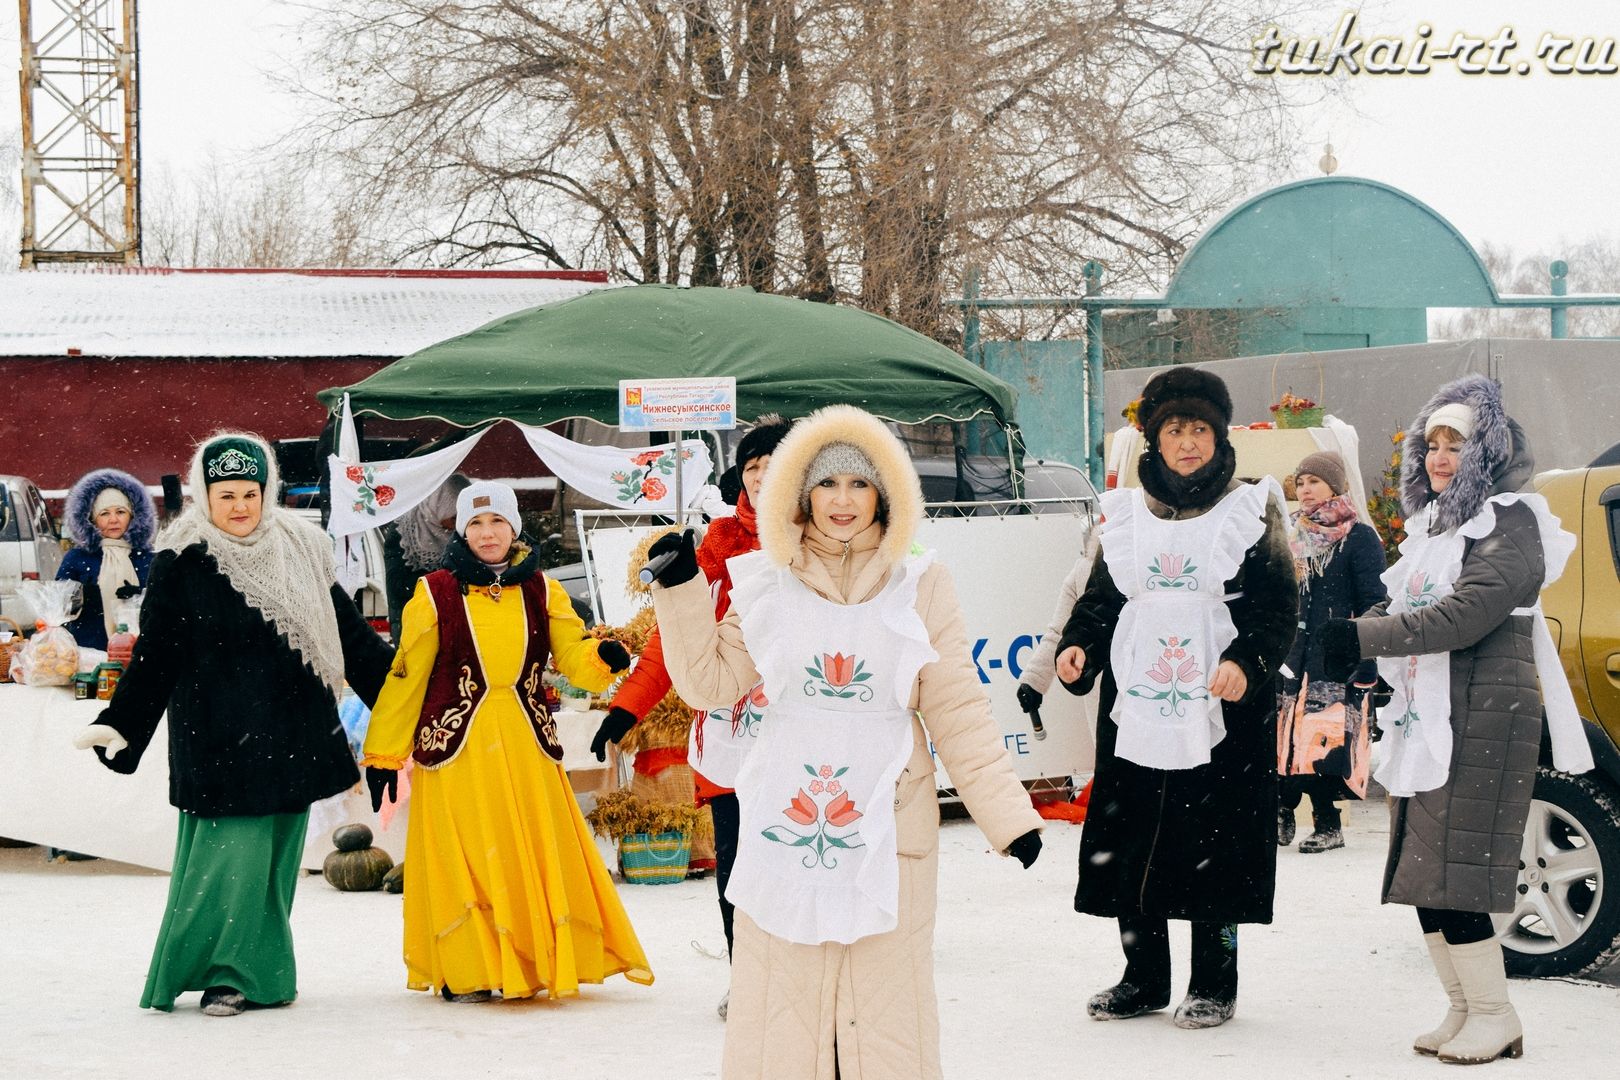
{"x": 1457, "y": 847}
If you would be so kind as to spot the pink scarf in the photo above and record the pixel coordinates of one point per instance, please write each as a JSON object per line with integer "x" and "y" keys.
{"x": 1317, "y": 532}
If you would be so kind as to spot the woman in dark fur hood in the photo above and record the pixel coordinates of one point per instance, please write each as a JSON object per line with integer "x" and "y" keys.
{"x": 112, "y": 521}
{"x": 1464, "y": 645}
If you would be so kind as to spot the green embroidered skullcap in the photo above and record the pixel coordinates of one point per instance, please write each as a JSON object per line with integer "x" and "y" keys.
{"x": 233, "y": 458}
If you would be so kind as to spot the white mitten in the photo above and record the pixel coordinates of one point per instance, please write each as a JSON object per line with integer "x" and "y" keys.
{"x": 100, "y": 735}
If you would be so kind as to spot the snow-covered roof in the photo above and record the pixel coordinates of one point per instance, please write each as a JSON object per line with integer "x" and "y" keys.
{"x": 261, "y": 313}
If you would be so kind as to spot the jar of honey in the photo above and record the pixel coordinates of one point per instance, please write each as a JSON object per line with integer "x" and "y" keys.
{"x": 107, "y": 676}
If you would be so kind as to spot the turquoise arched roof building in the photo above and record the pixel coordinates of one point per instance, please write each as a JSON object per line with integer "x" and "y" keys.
{"x": 1330, "y": 263}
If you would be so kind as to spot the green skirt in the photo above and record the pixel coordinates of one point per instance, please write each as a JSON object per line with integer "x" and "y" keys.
{"x": 230, "y": 898}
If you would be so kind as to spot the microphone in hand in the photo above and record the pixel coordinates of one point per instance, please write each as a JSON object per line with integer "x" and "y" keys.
{"x": 672, "y": 560}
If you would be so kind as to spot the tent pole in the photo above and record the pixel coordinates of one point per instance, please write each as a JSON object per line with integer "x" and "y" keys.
{"x": 680, "y": 503}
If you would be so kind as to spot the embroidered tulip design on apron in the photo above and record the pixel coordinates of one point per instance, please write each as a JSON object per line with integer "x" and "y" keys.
{"x": 1175, "y": 623}
{"x": 816, "y": 851}
{"x": 1416, "y": 750}
{"x": 721, "y": 738}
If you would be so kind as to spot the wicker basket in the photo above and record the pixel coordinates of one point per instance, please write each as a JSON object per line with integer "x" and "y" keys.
{"x": 655, "y": 858}
{"x": 8, "y": 648}
{"x": 1305, "y": 418}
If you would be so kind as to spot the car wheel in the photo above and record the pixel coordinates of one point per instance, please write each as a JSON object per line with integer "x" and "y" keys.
{"x": 1567, "y": 915}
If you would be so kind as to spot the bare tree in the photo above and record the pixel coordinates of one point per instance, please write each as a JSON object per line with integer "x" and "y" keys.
{"x": 1594, "y": 267}
{"x": 864, "y": 150}
{"x": 11, "y": 192}
{"x": 248, "y": 216}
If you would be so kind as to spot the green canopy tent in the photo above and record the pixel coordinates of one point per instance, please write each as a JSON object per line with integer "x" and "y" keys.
{"x": 563, "y": 361}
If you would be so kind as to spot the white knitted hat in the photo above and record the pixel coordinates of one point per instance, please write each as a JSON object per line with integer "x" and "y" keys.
{"x": 487, "y": 497}
{"x": 1457, "y": 416}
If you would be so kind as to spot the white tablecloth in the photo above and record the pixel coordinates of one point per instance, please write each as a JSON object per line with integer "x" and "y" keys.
{"x": 54, "y": 794}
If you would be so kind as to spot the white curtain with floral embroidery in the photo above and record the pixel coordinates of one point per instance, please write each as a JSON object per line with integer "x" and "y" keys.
{"x": 366, "y": 494}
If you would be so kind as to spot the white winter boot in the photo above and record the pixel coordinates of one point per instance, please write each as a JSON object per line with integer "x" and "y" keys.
{"x": 1492, "y": 1029}
{"x": 1431, "y": 1042}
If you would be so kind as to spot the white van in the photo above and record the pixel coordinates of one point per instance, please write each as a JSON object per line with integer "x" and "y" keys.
{"x": 30, "y": 547}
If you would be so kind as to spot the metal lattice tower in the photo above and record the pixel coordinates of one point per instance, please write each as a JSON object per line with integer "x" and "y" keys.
{"x": 80, "y": 147}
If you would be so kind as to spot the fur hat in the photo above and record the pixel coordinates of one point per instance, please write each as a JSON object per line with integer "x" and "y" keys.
{"x": 1484, "y": 458}
{"x": 1327, "y": 467}
{"x": 1184, "y": 391}
{"x": 487, "y": 497}
{"x": 780, "y": 516}
{"x": 762, "y": 438}
{"x": 837, "y": 459}
{"x": 79, "y": 511}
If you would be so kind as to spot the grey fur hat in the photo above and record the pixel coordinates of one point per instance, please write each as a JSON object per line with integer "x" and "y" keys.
{"x": 1485, "y": 456}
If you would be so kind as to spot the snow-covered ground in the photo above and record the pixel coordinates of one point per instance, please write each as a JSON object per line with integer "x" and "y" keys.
{"x": 1335, "y": 988}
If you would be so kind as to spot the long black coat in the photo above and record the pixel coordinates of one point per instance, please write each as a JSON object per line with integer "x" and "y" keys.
{"x": 1195, "y": 843}
{"x": 252, "y": 730}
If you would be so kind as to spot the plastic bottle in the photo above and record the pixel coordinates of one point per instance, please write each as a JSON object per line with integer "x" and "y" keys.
{"x": 121, "y": 646}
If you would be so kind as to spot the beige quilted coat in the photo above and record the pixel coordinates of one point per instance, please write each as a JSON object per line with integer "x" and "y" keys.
{"x": 870, "y": 1006}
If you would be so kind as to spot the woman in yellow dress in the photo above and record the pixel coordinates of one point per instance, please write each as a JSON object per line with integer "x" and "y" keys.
{"x": 504, "y": 889}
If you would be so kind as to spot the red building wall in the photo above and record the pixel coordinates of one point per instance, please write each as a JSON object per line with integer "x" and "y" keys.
{"x": 63, "y": 416}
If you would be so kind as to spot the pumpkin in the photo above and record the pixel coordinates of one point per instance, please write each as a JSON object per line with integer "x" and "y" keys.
{"x": 394, "y": 880}
{"x": 357, "y": 871}
{"x": 351, "y": 838}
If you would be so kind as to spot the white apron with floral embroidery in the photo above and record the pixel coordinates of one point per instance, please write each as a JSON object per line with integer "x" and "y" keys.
{"x": 721, "y": 738}
{"x": 1415, "y": 753}
{"x": 1175, "y": 624}
{"x": 816, "y": 852}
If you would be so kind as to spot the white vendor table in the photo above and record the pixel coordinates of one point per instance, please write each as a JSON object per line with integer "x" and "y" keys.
{"x": 52, "y": 793}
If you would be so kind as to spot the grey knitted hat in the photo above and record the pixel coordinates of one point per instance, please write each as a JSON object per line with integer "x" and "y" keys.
{"x": 834, "y": 459}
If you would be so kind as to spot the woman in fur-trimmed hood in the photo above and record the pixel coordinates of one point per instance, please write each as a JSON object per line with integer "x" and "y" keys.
{"x": 112, "y": 522}
{"x": 1464, "y": 645}
{"x": 859, "y": 642}
{"x": 246, "y": 641}
{"x": 1494, "y": 455}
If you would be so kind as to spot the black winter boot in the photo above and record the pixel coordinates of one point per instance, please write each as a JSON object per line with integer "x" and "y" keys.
{"x": 1145, "y": 986}
{"x": 1212, "y": 990}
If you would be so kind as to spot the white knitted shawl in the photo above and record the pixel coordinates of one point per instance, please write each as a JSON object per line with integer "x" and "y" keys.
{"x": 283, "y": 568}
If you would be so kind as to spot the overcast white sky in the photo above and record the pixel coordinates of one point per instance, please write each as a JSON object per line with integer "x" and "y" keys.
{"x": 1531, "y": 161}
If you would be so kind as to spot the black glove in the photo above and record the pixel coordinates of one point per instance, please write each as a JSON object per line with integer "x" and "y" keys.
{"x": 615, "y": 726}
{"x": 614, "y": 655}
{"x": 1026, "y": 848}
{"x": 127, "y": 590}
{"x": 379, "y": 781}
{"x": 1029, "y": 698}
{"x": 1341, "y": 649}
{"x": 682, "y": 568}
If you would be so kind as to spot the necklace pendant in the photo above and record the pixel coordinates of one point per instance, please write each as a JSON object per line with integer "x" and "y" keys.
{"x": 495, "y": 592}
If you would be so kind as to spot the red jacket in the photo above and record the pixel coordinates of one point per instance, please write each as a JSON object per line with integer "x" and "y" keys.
{"x": 646, "y": 686}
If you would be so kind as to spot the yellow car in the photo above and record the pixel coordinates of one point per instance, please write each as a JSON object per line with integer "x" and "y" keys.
{"x": 1568, "y": 917}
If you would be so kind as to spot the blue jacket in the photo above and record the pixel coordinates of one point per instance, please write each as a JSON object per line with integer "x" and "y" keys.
{"x": 90, "y": 629}
{"x": 1349, "y": 584}
{"x": 83, "y": 563}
